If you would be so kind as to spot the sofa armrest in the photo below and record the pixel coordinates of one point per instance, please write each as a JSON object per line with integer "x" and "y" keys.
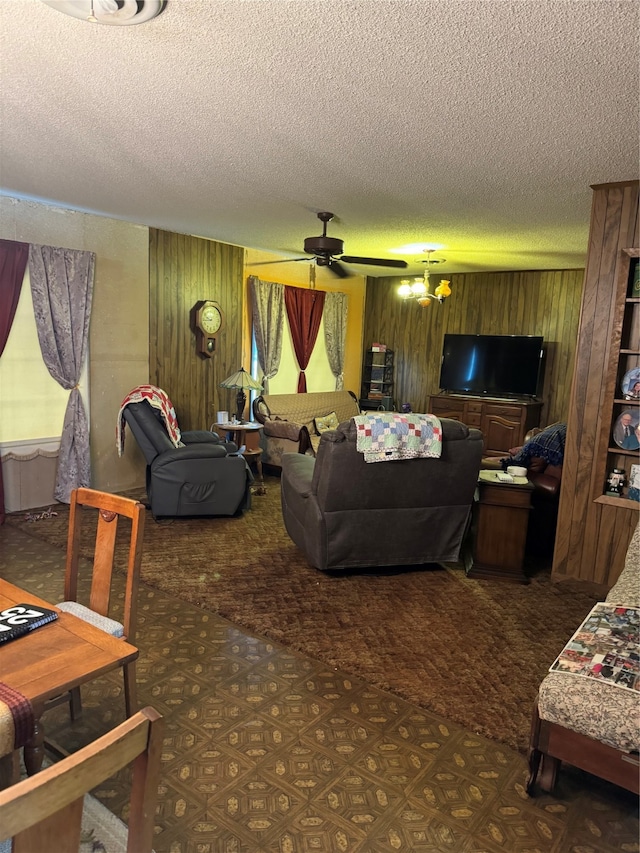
{"x": 545, "y": 483}
{"x": 202, "y": 452}
{"x": 203, "y": 436}
{"x": 200, "y": 436}
{"x": 298, "y": 471}
{"x": 283, "y": 429}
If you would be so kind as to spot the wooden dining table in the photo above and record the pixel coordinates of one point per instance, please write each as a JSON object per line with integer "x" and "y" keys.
{"x": 49, "y": 661}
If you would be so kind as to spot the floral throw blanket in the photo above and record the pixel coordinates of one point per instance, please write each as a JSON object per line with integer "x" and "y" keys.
{"x": 159, "y": 400}
{"x": 386, "y": 436}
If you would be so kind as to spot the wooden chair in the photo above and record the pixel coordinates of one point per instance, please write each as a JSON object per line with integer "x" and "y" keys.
{"x": 110, "y": 508}
{"x": 44, "y": 812}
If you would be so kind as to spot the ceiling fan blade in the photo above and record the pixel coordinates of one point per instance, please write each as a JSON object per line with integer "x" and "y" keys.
{"x": 338, "y": 269}
{"x": 282, "y": 261}
{"x": 376, "y": 262}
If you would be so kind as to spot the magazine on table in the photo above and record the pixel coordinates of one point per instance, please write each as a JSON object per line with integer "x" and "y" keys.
{"x": 605, "y": 647}
{"x": 21, "y": 619}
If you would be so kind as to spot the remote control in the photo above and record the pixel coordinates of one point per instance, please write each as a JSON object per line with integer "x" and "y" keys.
{"x": 503, "y": 477}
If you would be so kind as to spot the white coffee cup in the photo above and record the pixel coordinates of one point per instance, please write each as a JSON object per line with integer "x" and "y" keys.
{"x": 517, "y": 471}
{"x": 222, "y": 417}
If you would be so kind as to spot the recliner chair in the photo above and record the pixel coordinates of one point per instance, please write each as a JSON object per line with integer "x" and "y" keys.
{"x": 206, "y": 476}
{"x": 543, "y": 520}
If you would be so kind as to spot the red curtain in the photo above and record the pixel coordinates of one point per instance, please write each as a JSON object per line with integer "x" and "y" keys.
{"x": 304, "y": 310}
{"x": 13, "y": 262}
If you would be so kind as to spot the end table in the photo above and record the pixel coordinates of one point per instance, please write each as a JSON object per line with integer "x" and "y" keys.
{"x": 246, "y": 434}
{"x": 501, "y": 518}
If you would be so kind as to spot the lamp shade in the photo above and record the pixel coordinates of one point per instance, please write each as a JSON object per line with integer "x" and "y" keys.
{"x": 241, "y": 379}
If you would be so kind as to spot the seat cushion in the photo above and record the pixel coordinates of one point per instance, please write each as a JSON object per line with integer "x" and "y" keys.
{"x": 109, "y": 626}
{"x": 604, "y": 712}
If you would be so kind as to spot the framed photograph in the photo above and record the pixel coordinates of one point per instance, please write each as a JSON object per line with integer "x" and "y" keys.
{"x": 626, "y": 432}
{"x": 631, "y": 384}
{"x": 634, "y": 483}
{"x": 635, "y": 282}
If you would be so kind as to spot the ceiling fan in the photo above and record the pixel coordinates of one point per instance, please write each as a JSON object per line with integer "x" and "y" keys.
{"x": 327, "y": 252}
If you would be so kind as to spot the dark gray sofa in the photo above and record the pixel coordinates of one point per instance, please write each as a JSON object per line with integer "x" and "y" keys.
{"x": 346, "y": 513}
{"x": 205, "y": 477}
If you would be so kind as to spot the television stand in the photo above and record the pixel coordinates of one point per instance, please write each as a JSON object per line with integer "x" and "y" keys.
{"x": 503, "y": 423}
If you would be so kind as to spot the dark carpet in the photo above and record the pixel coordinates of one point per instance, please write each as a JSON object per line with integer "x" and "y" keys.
{"x": 473, "y": 651}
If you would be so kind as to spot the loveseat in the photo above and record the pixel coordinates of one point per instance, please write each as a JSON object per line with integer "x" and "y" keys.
{"x": 587, "y": 722}
{"x": 345, "y": 512}
{"x": 290, "y": 421}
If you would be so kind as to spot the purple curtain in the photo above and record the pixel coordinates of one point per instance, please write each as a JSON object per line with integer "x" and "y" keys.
{"x": 13, "y": 262}
{"x": 62, "y": 290}
{"x": 304, "y": 310}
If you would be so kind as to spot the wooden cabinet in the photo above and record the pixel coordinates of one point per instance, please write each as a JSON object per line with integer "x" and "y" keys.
{"x": 377, "y": 380}
{"x": 503, "y": 424}
{"x": 594, "y": 529}
{"x": 500, "y": 520}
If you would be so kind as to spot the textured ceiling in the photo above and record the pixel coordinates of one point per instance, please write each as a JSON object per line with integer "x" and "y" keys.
{"x": 476, "y": 125}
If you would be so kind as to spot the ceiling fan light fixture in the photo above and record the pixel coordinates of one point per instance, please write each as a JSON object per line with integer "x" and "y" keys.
{"x": 328, "y": 252}
{"x": 112, "y": 12}
{"x": 416, "y": 248}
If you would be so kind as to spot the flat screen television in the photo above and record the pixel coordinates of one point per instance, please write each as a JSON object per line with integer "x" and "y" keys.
{"x": 492, "y": 365}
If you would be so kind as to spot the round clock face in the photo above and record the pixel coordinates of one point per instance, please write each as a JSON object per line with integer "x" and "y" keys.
{"x": 210, "y": 319}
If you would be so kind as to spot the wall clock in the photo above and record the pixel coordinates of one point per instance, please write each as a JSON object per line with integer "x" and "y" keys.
{"x": 207, "y": 322}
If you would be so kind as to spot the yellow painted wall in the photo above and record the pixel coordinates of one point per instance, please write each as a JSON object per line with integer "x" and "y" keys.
{"x": 297, "y": 274}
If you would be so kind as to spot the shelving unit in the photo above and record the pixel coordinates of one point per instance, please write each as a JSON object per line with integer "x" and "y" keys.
{"x": 628, "y": 359}
{"x": 594, "y": 529}
{"x": 377, "y": 380}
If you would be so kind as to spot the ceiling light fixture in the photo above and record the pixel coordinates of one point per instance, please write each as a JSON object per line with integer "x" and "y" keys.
{"x": 118, "y": 13}
{"x": 420, "y": 290}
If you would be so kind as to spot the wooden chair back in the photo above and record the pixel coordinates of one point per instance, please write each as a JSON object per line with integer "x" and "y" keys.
{"x": 110, "y": 508}
{"x": 44, "y": 812}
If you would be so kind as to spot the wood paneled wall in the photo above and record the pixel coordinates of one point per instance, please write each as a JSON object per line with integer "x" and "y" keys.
{"x": 593, "y": 530}
{"x": 182, "y": 270}
{"x": 507, "y": 303}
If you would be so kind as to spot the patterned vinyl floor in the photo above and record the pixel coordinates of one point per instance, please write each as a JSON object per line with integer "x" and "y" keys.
{"x": 267, "y": 751}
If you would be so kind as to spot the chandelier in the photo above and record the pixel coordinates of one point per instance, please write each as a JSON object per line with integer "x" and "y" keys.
{"x": 420, "y": 289}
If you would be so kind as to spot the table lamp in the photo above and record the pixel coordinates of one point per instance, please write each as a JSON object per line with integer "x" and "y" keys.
{"x": 241, "y": 380}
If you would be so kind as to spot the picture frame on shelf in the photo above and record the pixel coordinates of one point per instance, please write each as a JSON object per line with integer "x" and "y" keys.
{"x": 635, "y": 280}
{"x": 626, "y": 430}
{"x": 634, "y": 483}
{"x": 631, "y": 384}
